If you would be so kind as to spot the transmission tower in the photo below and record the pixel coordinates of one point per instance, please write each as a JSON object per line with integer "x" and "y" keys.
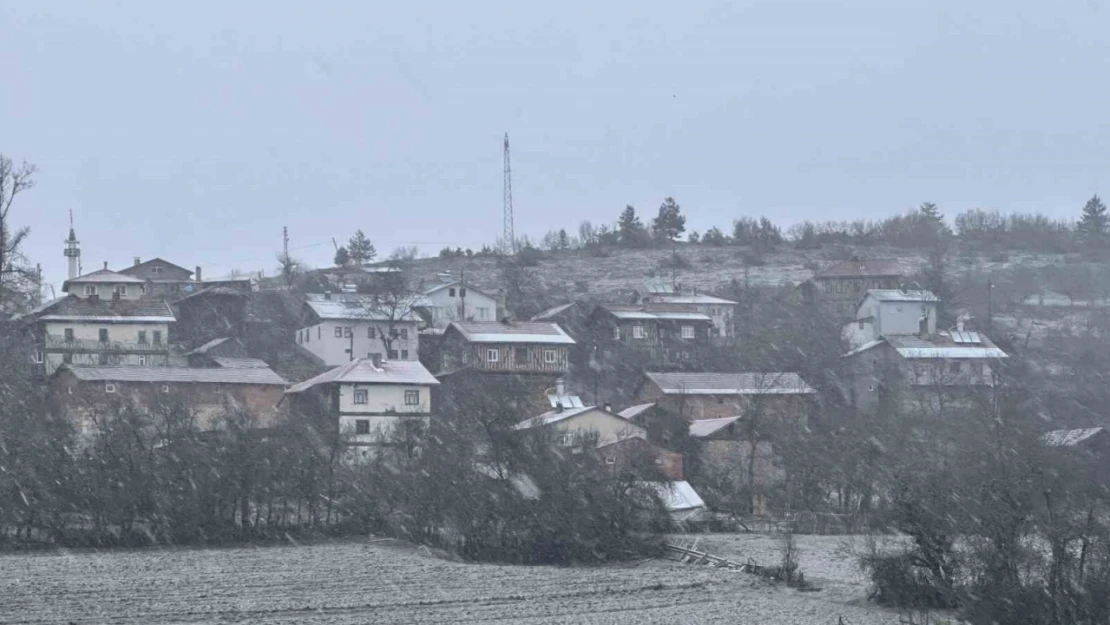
{"x": 510, "y": 238}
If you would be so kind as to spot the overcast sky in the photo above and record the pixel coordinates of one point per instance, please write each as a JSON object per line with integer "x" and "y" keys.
{"x": 195, "y": 130}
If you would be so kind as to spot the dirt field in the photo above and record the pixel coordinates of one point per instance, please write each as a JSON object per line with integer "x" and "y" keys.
{"x": 363, "y": 582}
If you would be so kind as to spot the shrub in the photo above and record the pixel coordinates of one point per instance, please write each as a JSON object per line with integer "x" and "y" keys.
{"x": 898, "y": 581}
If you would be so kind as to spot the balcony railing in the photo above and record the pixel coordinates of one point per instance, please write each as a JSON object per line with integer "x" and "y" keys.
{"x": 60, "y": 343}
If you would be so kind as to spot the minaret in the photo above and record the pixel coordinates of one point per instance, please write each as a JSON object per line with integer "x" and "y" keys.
{"x": 73, "y": 253}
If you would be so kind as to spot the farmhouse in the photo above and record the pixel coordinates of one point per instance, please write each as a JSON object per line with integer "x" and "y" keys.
{"x": 696, "y": 396}
{"x": 670, "y": 335}
{"x": 338, "y": 328}
{"x": 721, "y": 311}
{"x": 839, "y": 287}
{"x": 516, "y": 347}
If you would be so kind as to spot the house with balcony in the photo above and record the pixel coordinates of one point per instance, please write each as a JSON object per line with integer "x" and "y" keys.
{"x": 368, "y": 399}
{"x": 338, "y": 328}
{"x": 506, "y": 347}
{"x": 103, "y": 320}
{"x": 838, "y": 288}
{"x": 669, "y": 335}
{"x": 896, "y": 344}
{"x": 720, "y": 310}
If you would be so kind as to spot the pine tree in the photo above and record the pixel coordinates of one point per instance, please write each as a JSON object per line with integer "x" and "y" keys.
{"x": 342, "y": 258}
{"x": 360, "y": 249}
{"x": 934, "y": 219}
{"x": 629, "y": 228}
{"x": 1093, "y": 224}
{"x": 670, "y": 223}
{"x": 563, "y": 240}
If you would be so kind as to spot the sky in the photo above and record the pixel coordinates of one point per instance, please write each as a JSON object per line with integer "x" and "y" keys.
{"x": 196, "y": 131}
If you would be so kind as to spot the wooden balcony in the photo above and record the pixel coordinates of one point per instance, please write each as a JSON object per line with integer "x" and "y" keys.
{"x": 88, "y": 346}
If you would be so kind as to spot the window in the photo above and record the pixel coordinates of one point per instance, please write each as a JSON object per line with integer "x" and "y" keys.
{"x": 954, "y": 367}
{"x": 483, "y": 313}
{"x": 90, "y": 289}
{"x": 318, "y": 331}
{"x": 362, "y": 426}
{"x": 142, "y": 289}
{"x": 308, "y": 335}
{"x": 404, "y": 334}
{"x": 36, "y": 357}
{"x": 102, "y": 359}
{"x": 67, "y": 358}
{"x": 492, "y": 355}
{"x": 520, "y": 355}
{"x": 687, "y": 332}
{"x": 109, "y": 388}
{"x": 361, "y": 396}
{"x": 121, "y": 289}
{"x": 370, "y": 334}
{"x": 69, "y": 334}
{"x": 637, "y": 332}
{"x": 142, "y": 361}
{"x": 404, "y": 354}
{"x": 451, "y": 292}
{"x": 103, "y": 335}
{"x": 165, "y": 388}
{"x": 157, "y": 337}
{"x": 156, "y": 270}
{"x": 616, "y": 334}
{"x": 549, "y": 356}
{"x": 462, "y": 292}
{"x": 338, "y": 332}
{"x": 142, "y": 337}
{"x": 412, "y": 398}
{"x": 610, "y": 460}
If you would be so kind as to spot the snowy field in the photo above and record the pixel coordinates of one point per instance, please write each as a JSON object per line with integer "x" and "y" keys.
{"x": 386, "y": 582}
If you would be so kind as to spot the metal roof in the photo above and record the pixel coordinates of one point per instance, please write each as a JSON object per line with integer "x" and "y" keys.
{"x": 363, "y": 371}
{"x": 783, "y": 383}
{"x": 707, "y": 427}
{"x": 360, "y": 309}
{"x": 691, "y": 299}
{"x": 155, "y": 260}
{"x": 554, "y": 416}
{"x": 541, "y": 332}
{"x": 884, "y": 268}
{"x": 896, "y": 295}
{"x": 203, "y": 349}
{"x": 241, "y": 363}
{"x": 458, "y": 283}
{"x": 942, "y": 346}
{"x": 73, "y": 308}
{"x": 215, "y": 290}
{"x": 644, "y": 315}
{"x": 634, "y": 411}
{"x": 1069, "y": 438}
{"x": 553, "y": 311}
{"x": 102, "y": 276}
{"x": 192, "y": 375}
{"x": 678, "y": 496}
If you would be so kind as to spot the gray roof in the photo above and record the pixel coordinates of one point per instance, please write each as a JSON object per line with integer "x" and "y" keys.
{"x": 634, "y": 411}
{"x": 858, "y": 268}
{"x": 241, "y": 363}
{"x": 730, "y": 383}
{"x": 362, "y": 371}
{"x": 203, "y": 349}
{"x": 1069, "y": 438}
{"x": 553, "y": 311}
{"x": 195, "y": 375}
{"x": 553, "y": 416}
{"x": 102, "y": 276}
{"x": 73, "y": 308}
{"x": 152, "y": 261}
{"x": 896, "y": 295}
{"x": 540, "y": 332}
{"x": 354, "y": 309}
{"x": 215, "y": 290}
{"x": 707, "y": 427}
{"x": 691, "y": 299}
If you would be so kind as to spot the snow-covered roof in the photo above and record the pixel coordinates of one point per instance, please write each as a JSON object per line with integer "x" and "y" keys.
{"x": 104, "y": 310}
{"x": 102, "y": 276}
{"x": 553, "y": 416}
{"x": 634, "y": 411}
{"x": 197, "y": 375}
{"x": 691, "y": 299}
{"x": 943, "y": 346}
{"x": 706, "y": 427}
{"x": 363, "y": 371}
{"x": 678, "y": 496}
{"x": 355, "y": 309}
{"x": 203, "y": 349}
{"x": 896, "y": 295}
{"x": 783, "y": 383}
{"x": 553, "y": 311}
{"x": 241, "y": 363}
{"x": 541, "y": 332}
{"x": 456, "y": 283}
{"x": 1069, "y": 438}
{"x": 658, "y": 315}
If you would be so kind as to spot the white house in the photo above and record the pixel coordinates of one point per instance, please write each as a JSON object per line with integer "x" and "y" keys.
{"x": 721, "y": 311}
{"x": 457, "y": 301}
{"x": 103, "y": 320}
{"x": 892, "y": 312}
{"x": 340, "y": 327}
{"x": 371, "y": 399}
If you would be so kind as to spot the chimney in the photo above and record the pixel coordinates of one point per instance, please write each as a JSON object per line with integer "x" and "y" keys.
{"x": 138, "y": 261}
{"x": 376, "y": 359}
{"x": 560, "y": 387}
{"x": 960, "y": 325}
{"x": 196, "y": 275}
{"x": 327, "y": 295}
{"x": 105, "y": 265}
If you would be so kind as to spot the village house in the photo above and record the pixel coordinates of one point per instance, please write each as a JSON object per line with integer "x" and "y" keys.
{"x": 839, "y": 287}
{"x": 338, "y": 328}
{"x": 572, "y": 317}
{"x": 782, "y": 397}
{"x": 721, "y": 311}
{"x": 211, "y": 353}
{"x": 86, "y": 393}
{"x": 895, "y": 339}
{"x": 162, "y": 278}
{"x": 103, "y": 320}
{"x": 368, "y": 399}
{"x": 727, "y": 447}
{"x": 209, "y": 313}
{"x": 670, "y": 335}
{"x": 512, "y": 347}
{"x": 456, "y": 301}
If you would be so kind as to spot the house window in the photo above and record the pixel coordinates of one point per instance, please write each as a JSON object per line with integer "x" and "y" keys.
{"x": 165, "y": 388}
{"x": 392, "y": 355}
{"x": 610, "y": 460}
{"x": 616, "y": 334}
{"x": 121, "y": 289}
{"x": 954, "y": 367}
{"x": 450, "y": 292}
{"x": 549, "y": 356}
{"x": 69, "y": 334}
{"x": 157, "y": 337}
{"x": 370, "y": 334}
{"x": 90, "y": 289}
{"x": 338, "y": 332}
{"x": 483, "y": 313}
{"x": 520, "y": 355}
{"x": 36, "y": 356}
{"x": 687, "y": 332}
{"x": 67, "y": 358}
{"x": 462, "y": 292}
{"x": 412, "y": 398}
{"x": 319, "y": 329}
{"x": 362, "y": 426}
{"x": 404, "y": 354}
{"x": 102, "y": 359}
{"x": 637, "y": 332}
{"x": 142, "y": 337}
{"x": 361, "y": 396}
{"x": 156, "y": 270}
{"x": 492, "y": 355}
{"x": 348, "y": 333}
{"x": 404, "y": 334}
{"x": 142, "y": 361}
{"x": 142, "y": 289}
{"x": 109, "y": 388}
{"x": 103, "y": 335}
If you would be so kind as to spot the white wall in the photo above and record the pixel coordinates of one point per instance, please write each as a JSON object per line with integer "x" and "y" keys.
{"x": 897, "y": 317}
{"x": 322, "y": 342}
{"x": 606, "y": 426}
{"x": 446, "y": 309}
{"x": 121, "y": 332}
{"x": 380, "y": 427}
{"x": 383, "y": 398}
{"x": 105, "y": 290}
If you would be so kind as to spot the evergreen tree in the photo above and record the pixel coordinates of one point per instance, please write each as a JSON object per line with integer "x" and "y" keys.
{"x": 563, "y": 240}
{"x": 629, "y": 227}
{"x": 934, "y": 219}
{"x": 1093, "y": 224}
{"x": 360, "y": 249}
{"x": 670, "y": 223}
{"x": 342, "y": 257}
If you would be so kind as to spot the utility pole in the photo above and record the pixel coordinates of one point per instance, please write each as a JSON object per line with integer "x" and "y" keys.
{"x": 507, "y": 234}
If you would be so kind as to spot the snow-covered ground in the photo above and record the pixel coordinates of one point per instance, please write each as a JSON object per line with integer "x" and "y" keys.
{"x": 385, "y": 582}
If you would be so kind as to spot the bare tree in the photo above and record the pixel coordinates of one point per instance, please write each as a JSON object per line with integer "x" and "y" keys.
{"x": 390, "y": 301}
{"x": 14, "y": 179}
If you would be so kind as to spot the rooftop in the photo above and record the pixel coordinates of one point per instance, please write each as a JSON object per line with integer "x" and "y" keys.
{"x": 102, "y": 276}
{"x": 707, "y": 427}
{"x": 553, "y": 416}
{"x": 944, "y": 345}
{"x": 353, "y": 309}
{"x": 196, "y": 375}
{"x": 655, "y": 312}
{"x": 731, "y": 383}
{"x": 203, "y": 349}
{"x": 553, "y": 311}
{"x": 897, "y": 295}
{"x": 151, "y": 262}
{"x": 858, "y": 268}
{"x": 634, "y": 411}
{"x": 455, "y": 283}
{"x": 73, "y": 308}
{"x": 362, "y": 371}
{"x": 691, "y": 299}
{"x": 1070, "y": 438}
{"x": 543, "y": 332}
{"x": 241, "y": 363}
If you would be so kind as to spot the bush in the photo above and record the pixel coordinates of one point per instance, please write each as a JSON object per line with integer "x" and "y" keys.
{"x": 898, "y": 581}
